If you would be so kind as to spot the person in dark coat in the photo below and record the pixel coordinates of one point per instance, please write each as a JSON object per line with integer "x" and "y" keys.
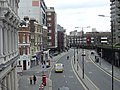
{"x": 34, "y": 79}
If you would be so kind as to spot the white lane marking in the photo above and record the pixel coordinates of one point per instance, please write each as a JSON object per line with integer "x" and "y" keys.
{"x": 90, "y": 72}
{"x": 90, "y": 81}
{"x": 64, "y": 76}
{"x": 71, "y": 76}
{"x": 103, "y": 69}
{"x": 78, "y": 77}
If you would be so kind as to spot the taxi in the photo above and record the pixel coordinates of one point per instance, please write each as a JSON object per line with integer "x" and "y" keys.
{"x": 58, "y": 67}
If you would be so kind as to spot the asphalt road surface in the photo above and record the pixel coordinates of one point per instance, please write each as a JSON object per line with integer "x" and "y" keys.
{"x": 67, "y": 78}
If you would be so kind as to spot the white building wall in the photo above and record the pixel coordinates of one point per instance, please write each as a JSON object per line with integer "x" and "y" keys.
{"x": 8, "y": 52}
{"x": 26, "y": 9}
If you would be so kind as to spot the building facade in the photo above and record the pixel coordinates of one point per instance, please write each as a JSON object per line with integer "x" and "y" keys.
{"x": 62, "y": 38}
{"x": 115, "y": 20}
{"x": 52, "y": 27}
{"x": 9, "y": 54}
{"x": 89, "y": 38}
{"x": 36, "y": 41}
{"x": 24, "y": 47}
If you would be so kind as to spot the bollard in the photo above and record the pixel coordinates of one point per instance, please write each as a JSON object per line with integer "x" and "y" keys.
{"x": 41, "y": 87}
{"x": 44, "y": 79}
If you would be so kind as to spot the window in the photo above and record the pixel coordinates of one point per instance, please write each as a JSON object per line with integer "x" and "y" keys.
{"x": 49, "y": 37}
{"x": 19, "y": 63}
{"x": 24, "y": 49}
{"x": 32, "y": 36}
{"x": 49, "y": 13}
{"x": 49, "y": 31}
{"x": 49, "y": 25}
{"x": 24, "y": 38}
{"x": 28, "y": 63}
{"x": 49, "y": 19}
{"x": 49, "y": 43}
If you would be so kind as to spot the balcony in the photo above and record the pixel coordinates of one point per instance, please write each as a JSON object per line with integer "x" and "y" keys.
{"x": 117, "y": 3}
{"x": 117, "y": 11}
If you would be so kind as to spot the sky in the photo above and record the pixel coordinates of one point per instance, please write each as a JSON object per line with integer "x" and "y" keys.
{"x": 81, "y": 13}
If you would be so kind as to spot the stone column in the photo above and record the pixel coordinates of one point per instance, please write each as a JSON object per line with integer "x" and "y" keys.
{"x": 10, "y": 39}
{"x": 1, "y": 38}
{"x": 5, "y": 84}
{"x": 6, "y": 38}
{"x": 12, "y": 80}
{"x": 15, "y": 79}
{"x": 9, "y": 81}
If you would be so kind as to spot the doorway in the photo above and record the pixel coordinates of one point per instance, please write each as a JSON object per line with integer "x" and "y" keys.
{"x": 24, "y": 64}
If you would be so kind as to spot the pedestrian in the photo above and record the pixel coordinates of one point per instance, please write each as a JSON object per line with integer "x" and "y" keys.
{"x": 67, "y": 57}
{"x": 34, "y": 79}
{"x": 30, "y": 79}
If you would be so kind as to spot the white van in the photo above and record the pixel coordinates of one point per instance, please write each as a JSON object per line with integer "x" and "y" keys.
{"x": 58, "y": 67}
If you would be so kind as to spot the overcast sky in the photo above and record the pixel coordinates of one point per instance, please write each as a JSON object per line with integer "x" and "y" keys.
{"x": 82, "y": 13}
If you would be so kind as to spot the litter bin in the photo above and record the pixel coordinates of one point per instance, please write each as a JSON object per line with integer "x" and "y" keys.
{"x": 96, "y": 59}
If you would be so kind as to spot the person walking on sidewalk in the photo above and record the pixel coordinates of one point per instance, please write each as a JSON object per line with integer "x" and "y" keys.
{"x": 34, "y": 79}
{"x": 30, "y": 77}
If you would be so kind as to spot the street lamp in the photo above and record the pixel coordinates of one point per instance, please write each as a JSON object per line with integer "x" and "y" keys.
{"x": 83, "y": 52}
{"x": 103, "y": 15}
{"x": 74, "y": 46}
{"x": 112, "y": 50}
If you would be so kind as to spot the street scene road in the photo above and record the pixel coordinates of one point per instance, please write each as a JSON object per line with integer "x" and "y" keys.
{"x": 95, "y": 77}
{"x": 67, "y": 78}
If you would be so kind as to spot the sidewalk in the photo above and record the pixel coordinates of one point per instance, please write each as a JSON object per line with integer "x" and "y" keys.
{"x": 106, "y": 66}
{"x": 23, "y": 78}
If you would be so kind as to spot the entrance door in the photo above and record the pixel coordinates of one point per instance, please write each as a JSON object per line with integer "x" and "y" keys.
{"x": 24, "y": 64}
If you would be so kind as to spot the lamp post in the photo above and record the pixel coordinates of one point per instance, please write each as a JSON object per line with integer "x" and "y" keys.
{"x": 112, "y": 57}
{"x": 74, "y": 46}
{"x": 112, "y": 24}
{"x": 83, "y": 52}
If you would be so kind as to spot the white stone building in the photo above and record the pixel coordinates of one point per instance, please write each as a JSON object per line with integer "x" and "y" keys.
{"x": 9, "y": 21}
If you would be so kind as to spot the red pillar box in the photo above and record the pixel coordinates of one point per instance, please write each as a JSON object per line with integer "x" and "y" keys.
{"x": 41, "y": 87}
{"x": 44, "y": 79}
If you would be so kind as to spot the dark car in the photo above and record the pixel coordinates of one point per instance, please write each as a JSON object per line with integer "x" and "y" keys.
{"x": 63, "y": 88}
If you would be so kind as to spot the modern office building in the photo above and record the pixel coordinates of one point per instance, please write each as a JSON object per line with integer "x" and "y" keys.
{"x": 9, "y": 54}
{"x": 115, "y": 19}
{"x": 33, "y": 9}
{"x": 52, "y": 27}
